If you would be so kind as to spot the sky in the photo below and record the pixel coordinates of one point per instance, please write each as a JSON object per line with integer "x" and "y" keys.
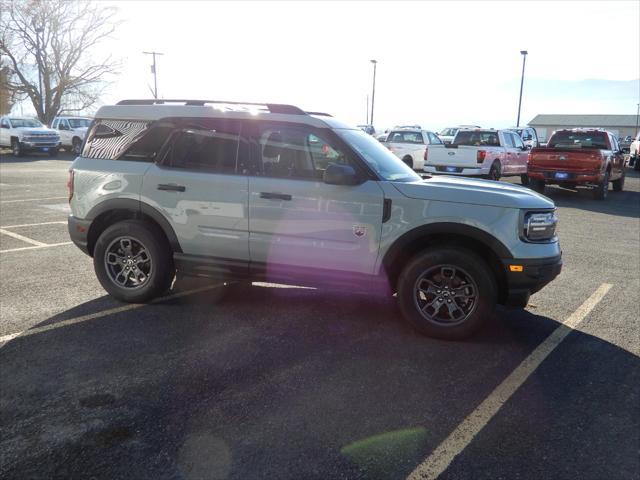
{"x": 439, "y": 63}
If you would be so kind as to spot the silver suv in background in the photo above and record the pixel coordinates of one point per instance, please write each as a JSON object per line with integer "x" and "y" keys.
{"x": 269, "y": 192}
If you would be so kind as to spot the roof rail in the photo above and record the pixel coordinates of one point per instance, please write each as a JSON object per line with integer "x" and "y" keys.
{"x": 321, "y": 114}
{"x": 272, "y": 107}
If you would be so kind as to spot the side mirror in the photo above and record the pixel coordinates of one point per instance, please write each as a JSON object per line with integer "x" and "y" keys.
{"x": 336, "y": 174}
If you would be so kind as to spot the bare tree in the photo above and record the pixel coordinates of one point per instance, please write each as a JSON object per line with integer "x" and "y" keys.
{"x": 49, "y": 50}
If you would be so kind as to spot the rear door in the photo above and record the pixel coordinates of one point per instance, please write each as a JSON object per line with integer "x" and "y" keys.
{"x": 194, "y": 184}
{"x": 520, "y": 156}
{"x": 509, "y": 159}
{"x": 295, "y": 219}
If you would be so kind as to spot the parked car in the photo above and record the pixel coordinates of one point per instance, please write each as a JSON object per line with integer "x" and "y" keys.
{"x": 72, "y": 131}
{"x": 410, "y": 145}
{"x": 576, "y": 156}
{"x": 625, "y": 143}
{"x": 634, "y": 153}
{"x": 447, "y": 134}
{"x": 480, "y": 152}
{"x": 290, "y": 197}
{"x": 367, "y": 129}
{"x": 529, "y": 136}
{"x": 27, "y": 134}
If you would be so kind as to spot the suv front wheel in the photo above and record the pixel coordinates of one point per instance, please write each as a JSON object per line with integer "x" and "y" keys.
{"x": 133, "y": 261}
{"x": 447, "y": 293}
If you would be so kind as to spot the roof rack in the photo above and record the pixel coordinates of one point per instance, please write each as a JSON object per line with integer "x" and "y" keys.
{"x": 271, "y": 107}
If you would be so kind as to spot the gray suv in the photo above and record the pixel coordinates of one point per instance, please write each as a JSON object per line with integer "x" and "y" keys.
{"x": 269, "y": 192}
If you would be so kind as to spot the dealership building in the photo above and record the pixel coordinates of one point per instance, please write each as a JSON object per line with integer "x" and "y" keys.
{"x": 620, "y": 125}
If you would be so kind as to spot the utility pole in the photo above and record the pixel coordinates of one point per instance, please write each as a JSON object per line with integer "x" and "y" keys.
{"x": 373, "y": 93}
{"x": 154, "y": 71}
{"x": 637, "y": 116}
{"x": 524, "y": 59}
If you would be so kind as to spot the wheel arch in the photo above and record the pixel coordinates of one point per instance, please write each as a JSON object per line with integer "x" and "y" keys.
{"x": 111, "y": 211}
{"x": 447, "y": 234}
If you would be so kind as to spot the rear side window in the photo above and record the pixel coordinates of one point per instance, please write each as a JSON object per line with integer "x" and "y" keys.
{"x": 433, "y": 139}
{"x": 110, "y": 139}
{"x": 569, "y": 139}
{"x": 212, "y": 150}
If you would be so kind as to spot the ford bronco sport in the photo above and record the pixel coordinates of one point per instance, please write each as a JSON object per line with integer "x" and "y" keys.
{"x": 269, "y": 192}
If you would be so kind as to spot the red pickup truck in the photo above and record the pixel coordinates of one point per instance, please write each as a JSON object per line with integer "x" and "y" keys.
{"x": 578, "y": 157}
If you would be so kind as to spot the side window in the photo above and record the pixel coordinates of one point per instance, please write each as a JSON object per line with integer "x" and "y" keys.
{"x": 5, "y": 123}
{"x": 508, "y": 140}
{"x": 517, "y": 141}
{"x": 54, "y": 125}
{"x": 433, "y": 139}
{"x": 211, "y": 147}
{"x": 296, "y": 152}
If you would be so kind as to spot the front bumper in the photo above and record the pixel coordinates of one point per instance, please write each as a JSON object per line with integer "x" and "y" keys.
{"x": 43, "y": 146}
{"x": 79, "y": 232}
{"x": 530, "y": 276}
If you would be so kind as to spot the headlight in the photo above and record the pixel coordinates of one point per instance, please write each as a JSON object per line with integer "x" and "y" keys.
{"x": 540, "y": 227}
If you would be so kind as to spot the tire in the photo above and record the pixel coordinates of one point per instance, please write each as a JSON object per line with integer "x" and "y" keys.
{"x": 16, "y": 148}
{"x": 524, "y": 179}
{"x": 537, "y": 185}
{"x": 124, "y": 242}
{"x": 618, "y": 185}
{"x": 76, "y": 145}
{"x": 409, "y": 161}
{"x": 53, "y": 152}
{"x": 496, "y": 171}
{"x": 636, "y": 165}
{"x": 454, "y": 270}
{"x": 601, "y": 190}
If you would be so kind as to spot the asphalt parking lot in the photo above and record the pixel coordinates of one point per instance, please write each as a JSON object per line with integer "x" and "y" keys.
{"x": 290, "y": 383}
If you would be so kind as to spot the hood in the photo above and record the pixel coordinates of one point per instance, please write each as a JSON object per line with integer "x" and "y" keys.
{"x": 36, "y": 130}
{"x": 477, "y": 192}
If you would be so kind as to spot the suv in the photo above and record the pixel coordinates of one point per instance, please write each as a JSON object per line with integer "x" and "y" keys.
{"x": 529, "y": 136}
{"x": 72, "y": 131}
{"x": 410, "y": 145}
{"x": 28, "y": 134}
{"x": 269, "y": 192}
{"x": 447, "y": 134}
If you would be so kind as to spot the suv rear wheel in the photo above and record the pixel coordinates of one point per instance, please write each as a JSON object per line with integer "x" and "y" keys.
{"x": 133, "y": 261}
{"x": 447, "y": 293}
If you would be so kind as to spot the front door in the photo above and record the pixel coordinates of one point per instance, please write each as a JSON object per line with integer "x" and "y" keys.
{"x": 195, "y": 186}
{"x": 520, "y": 156}
{"x": 297, "y": 220}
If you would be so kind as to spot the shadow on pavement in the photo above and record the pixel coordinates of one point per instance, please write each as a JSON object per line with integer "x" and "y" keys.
{"x": 271, "y": 383}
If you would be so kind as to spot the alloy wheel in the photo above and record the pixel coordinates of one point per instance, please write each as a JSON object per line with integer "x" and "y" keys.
{"x": 128, "y": 263}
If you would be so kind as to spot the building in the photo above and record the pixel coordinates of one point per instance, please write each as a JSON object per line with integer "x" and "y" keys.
{"x": 620, "y": 125}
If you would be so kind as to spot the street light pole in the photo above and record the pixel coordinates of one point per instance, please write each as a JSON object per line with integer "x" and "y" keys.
{"x": 154, "y": 71}
{"x": 367, "y": 122}
{"x": 373, "y": 93}
{"x": 524, "y": 60}
{"x": 637, "y": 116}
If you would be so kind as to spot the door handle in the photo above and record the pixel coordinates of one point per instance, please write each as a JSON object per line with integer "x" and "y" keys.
{"x": 171, "y": 187}
{"x": 275, "y": 196}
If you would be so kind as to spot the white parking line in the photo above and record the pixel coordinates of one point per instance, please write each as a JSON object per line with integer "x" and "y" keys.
{"x": 34, "y": 224}
{"x": 31, "y": 199}
{"x": 17, "y": 236}
{"x": 46, "y": 245}
{"x": 104, "y": 313}
{"x": 461, "y": 437}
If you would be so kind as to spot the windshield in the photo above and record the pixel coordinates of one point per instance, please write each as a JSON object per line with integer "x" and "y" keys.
{"x": 405, "y": 137}
{"x": 378, "y": 157}
{"x": 24, "y": 122}
{"x": 79, "y": 122}
{"x": 448, "y": 132}
{"x": 579, "y": 140}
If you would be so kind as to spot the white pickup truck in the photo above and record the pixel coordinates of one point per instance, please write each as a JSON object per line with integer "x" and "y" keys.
{"x": 28, "y": 134}
{"x": 410, "y": 145}
{"x": 72, "y": 131}
{"x": 480, "y": 152}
